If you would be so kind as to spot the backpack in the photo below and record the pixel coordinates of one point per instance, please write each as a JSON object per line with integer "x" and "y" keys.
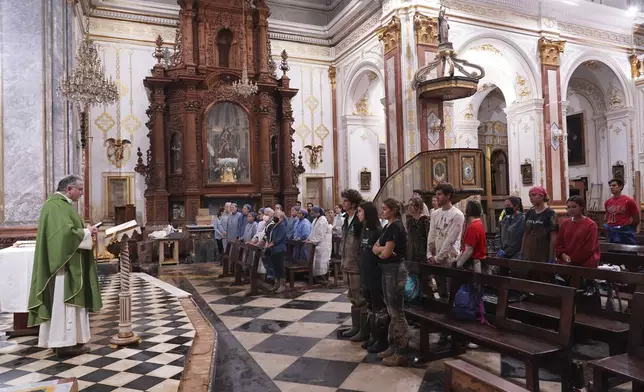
{"x": 412, "y": 288}
{"x": 468, "y": 302}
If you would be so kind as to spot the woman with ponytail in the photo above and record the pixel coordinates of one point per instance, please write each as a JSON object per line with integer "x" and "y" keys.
{"x": 391, "y": 248}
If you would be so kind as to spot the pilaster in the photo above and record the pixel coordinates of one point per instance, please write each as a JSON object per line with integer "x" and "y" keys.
{"x": 554, "y": 145}
{"x": 425, "y": 35}
{"x": 619, "y": 125}
{"x": 390, "y": 37}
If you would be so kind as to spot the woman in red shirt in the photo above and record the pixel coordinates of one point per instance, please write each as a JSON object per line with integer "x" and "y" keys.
{"x": 474, "y": 247}
{"x": 577, "y": 239}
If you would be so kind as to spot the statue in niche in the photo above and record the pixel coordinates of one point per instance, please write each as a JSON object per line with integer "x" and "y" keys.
{"x": 175, "y": 154}
{"x": 443, "y": 27}
{"x": 228, "y": 139}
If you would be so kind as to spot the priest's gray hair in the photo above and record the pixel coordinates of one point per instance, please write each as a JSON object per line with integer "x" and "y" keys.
{"x": 66, "y": 182}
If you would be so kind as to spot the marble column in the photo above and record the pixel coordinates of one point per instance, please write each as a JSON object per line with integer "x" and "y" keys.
{"x": 37, "y": 141}
{"x": 191, "y": 107}
{"x": 264, "y": 154}
{"x": 426, "y": 45}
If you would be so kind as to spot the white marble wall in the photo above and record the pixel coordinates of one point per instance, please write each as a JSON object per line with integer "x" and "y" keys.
{"x": 128, "y": 65}
{"x": 34, "y": 130}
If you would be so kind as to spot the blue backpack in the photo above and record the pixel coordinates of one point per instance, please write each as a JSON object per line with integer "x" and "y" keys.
{"x": 467, "y": 303}
{"x": 412, "y": 288}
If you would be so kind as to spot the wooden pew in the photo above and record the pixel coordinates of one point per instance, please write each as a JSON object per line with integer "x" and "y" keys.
{"x": 609, "y": 247}
{"x": 535, "y": 346}
{"x": 629, "y": 366}
{"x": 591, "y": 320}
{"x": 236, "y": 254}
{"x": 632, "y": 262}
{"x": 225, "y": 261}
{"x": 300, "y": 260}
{"x": 461, "y": 376}
{"x": 249, "y": 261}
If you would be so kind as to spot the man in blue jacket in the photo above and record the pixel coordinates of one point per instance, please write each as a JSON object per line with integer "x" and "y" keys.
{"x": 234, "y": 224}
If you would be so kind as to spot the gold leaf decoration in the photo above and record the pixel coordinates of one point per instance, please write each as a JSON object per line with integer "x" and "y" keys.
{"x": 322, "y": 132}
{"x": 105, "y": 122}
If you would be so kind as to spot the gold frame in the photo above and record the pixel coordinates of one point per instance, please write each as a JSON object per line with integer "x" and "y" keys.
{"x": 584, "y": 159}
{"x": 435, "y": 162}
{"x": 129, "y": 177}
{"x": 472, "y": 161}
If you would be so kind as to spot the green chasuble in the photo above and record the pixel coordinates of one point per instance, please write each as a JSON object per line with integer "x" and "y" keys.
{"x": 60, "y": 232}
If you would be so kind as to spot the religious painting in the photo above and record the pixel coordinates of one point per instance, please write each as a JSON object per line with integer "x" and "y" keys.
{"x": 365, "y": 180}
{"x": 500, "y": 173}
{"x": 575, "y": 130}
{"x": 178, "y": 211}
{"x": 228, "y": 141}
{"x": 526, "y": 174}
{"x": 439, "y": 170}
{"x": 468, "y": 173}
{"x": 618, "y": 171}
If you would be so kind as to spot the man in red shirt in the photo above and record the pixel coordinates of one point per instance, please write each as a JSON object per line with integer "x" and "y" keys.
{"x": 474, "y": 247}
{"x": 622, "y": 215}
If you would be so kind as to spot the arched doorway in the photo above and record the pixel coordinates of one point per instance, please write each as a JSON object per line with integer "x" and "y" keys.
{"x": 598, "y": 131}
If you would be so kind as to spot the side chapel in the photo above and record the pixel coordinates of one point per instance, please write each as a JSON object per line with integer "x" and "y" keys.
{"x": 209, "y": 144}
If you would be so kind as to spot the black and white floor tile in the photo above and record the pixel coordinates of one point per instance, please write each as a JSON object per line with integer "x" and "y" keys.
{"x": 156, "y": 364}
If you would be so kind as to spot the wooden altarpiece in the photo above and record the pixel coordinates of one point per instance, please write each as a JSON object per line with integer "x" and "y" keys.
{"x": 206, "y": 141}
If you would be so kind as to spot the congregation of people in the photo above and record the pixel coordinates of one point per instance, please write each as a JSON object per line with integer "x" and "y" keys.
{"x": 382, "y": 246}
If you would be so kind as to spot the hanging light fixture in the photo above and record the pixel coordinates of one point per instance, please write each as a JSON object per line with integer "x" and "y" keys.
{"x": 244, "y": 86}
{"x": 87, "y": 85}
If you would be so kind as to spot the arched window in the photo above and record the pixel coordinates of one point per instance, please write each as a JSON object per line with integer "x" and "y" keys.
{"x": 175, "y": 153}
{"x": 275, "y": 155}
{"x": 500, "y": 179}
{"x": 224, "y": 43}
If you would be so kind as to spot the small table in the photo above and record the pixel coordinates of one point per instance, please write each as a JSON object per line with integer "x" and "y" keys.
{"x": 17, "y": 265}
{"x": 171, "y": 240}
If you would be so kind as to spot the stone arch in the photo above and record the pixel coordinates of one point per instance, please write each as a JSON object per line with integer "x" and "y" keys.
{"x": 353, "y": 76}
{"x": 529, "y": 71}
{"x": 577, "y": 59}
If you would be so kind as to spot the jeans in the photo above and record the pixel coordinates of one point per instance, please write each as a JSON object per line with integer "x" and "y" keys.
{"x": 621, "y": 235}
{"x": 355, "y": 291}
{"x": 277, "y": 264}
{"x": 394, "y": 278}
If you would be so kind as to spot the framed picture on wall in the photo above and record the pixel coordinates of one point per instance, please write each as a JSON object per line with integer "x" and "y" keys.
{"x": 365, "y": 180}
{"x": 526, "y": 174}
{"x": 618, "y": 171}
{"x": 576, "y": 145}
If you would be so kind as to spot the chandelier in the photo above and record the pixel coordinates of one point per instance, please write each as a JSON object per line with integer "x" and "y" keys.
{"x": 87, "y": 84}
{"x": 244, "y": 86}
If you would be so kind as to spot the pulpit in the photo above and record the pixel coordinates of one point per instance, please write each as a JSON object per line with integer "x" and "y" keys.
{"x": 209, "y": 137}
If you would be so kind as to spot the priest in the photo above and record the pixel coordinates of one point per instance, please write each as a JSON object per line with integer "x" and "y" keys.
{"x": 64, "y": 286}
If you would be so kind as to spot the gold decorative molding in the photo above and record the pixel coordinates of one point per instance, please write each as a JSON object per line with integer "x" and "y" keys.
{"x": 549, "y": 50}
{"x": 636, "y": 66}
{"x": 426, "y": 29}
{"x": 488, "y": 48}
{"x": 522, "y": 89}
{"x": 362, "y": 106}
{"x": 390, "y": 34}
{"x": 332, "y": 76}
{"x": 468, "y": 113}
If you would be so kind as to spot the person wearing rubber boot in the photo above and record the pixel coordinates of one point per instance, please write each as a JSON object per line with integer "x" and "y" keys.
{"x": 391, "y": 249}
{"x": 371, "y": 279}
{"x": 350, "y": 248}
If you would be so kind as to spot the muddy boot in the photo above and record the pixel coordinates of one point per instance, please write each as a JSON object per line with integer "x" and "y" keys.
{"x": 281, "y": 287}
{"x": 355, "y": 323}
{"x": 397, "y": 359}
{"x": 363, "y": 334}
{"x": 382, "y": 343}
{"x": 387, "y": 353}
{"x": 371, "y": 322}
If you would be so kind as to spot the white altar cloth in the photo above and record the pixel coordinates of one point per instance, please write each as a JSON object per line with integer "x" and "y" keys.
{"x": 16, "y": 267}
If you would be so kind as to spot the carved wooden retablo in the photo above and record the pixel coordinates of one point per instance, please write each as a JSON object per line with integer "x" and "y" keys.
{"x": 209, "y": 144}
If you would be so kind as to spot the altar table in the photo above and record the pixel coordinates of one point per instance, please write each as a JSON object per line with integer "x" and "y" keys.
{"x": 16, "y": 265}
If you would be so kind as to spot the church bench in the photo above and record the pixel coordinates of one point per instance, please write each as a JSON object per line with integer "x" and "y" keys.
{"x": 621, "y": 248}
{"x": 461, "y": 376}
{"x": 225, "y": 260}
{"x": 631, "y": 262}
{"x": 249, "y": 261}
{"x": 535, "y": 346}
{"x": 630, "y": 365}
{"x": 591, "y": 320}
{"x": 301, "y": 259}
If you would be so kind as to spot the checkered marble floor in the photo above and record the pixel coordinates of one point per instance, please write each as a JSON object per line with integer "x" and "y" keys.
{"x": 292, "y": 338}
{"x": 156, "y": 364}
